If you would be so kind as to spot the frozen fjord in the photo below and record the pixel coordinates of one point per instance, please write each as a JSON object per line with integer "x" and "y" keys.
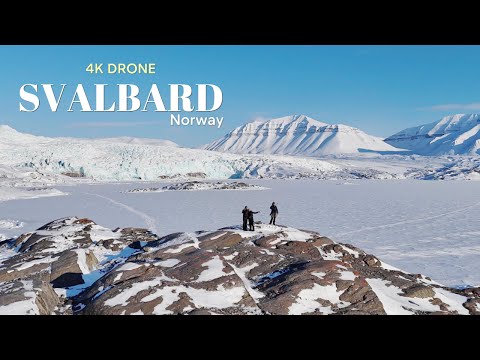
{"x": 426, "y": 227}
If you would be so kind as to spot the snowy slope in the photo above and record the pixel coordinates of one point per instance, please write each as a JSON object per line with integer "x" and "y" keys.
{"x": 132, "y": 159}
{"x": 10, "y": 137}
{"x": 455, "y": 134}
{"x": 137, "y": 141}
{"x": 297, "y": 135}
{"x": 457, "y": 168}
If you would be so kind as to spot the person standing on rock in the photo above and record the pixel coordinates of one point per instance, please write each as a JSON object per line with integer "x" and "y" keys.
{"x": 251, "y": 223}
{"x": 245, "y": 212}
{"x": 273, "y": 213}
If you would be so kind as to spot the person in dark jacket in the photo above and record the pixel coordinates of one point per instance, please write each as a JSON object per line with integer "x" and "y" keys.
{"x": 245, "y": 212}
{"x": 273, "y": 213}
{"x": 251, "y": 223}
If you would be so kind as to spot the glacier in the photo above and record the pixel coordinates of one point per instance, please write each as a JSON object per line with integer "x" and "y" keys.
{"x": 127, "y": 159}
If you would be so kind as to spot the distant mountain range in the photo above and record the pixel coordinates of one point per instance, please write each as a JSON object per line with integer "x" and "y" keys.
{"x": 452, "y": 135}
{"x": 298, "y": 135}
{"x": 263, "y": 151}
{"x": 301, "y": 135}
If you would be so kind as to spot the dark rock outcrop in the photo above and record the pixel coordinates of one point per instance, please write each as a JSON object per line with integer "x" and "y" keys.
{"x": 54, "y": 261}
{"x": 32, "y": 297}
{"x": 200, "y": 185}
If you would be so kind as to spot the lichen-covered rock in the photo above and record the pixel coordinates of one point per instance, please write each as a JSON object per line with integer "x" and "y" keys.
{"x": 67, "y": 254}
{"x": 27, "y": 297}
{"x": 273, "y": 270}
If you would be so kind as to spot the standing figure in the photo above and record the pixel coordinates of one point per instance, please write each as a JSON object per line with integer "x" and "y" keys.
{"x": 251, "y": 223}
{"x": 245, "y": 212}
{"x": 273, "y": 213}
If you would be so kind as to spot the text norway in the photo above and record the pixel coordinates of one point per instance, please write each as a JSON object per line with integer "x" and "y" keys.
{"x": 198, "y": 120}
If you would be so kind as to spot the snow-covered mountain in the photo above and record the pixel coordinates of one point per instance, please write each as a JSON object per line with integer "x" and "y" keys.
{"x": 297, "y": 135}
{"x": 455, "y": 134}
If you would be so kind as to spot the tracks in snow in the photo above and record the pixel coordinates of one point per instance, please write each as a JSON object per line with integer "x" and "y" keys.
{"x": 150, "y": 222}
{"x": 410, "y": 221}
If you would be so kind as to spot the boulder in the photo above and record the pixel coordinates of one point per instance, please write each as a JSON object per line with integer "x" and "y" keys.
{"x": 419, "y": 291}
{"x": 65, "y": 271}
{"x": 27, "y": 297}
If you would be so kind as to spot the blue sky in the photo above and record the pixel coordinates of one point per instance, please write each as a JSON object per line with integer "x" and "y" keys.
{"x": 379, "y": 89}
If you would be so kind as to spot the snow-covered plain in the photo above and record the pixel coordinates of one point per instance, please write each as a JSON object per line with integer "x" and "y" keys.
{"x": 428, "y": 227}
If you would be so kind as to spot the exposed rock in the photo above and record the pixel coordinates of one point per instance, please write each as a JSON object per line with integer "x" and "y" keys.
{"x": 234, "y": 272}
{"x": 59, "y": 254}
{"x": 473, "y": 291}
{"x": 419, "y": 291}
{"x": 200, "y": 185}
{"x": 65, "y": 271}
{"x": 473, "y": 306}
{"x": 274, "y": 270}
{"x": 27, "y": 297}
{"x": 196, "y": 175}
{"x": 371, "y": 260}
{"x": 74, "y": 174}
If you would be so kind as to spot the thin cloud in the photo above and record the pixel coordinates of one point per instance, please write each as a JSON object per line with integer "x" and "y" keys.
{"x": 110, "y": 124}
{"x": 454, "y": 107}
{"x": 259, "y": 118}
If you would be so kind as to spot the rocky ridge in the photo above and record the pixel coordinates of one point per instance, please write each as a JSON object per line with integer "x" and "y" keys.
{"x": 200, "y": 185}
{"x": 74, "y": 266}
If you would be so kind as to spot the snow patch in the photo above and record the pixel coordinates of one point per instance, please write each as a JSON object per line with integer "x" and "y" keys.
{"x": 30, "y": 263}
{"x": 331, "y": 255}
{"x": 179, "y": 249}
{"x": 242, "y": 274}
{"x": 129, "y": 266}
{"x": 319, "y": 274}
{"x": 218, "y": 236}
{"x": 167, "y": 263}
{"x": 394, "y": 303}
{"x": 220, "y": 298}
{"x": 122, "y": 298}
{"x": 306, "y": 300}
{"x": 231, "y": 257}
{"x": 24, "y": 307}
{"x": 214, "y": 270}
{"x": 454, "y": 301}
{"x": 347, "y": 275}
{"x": 10, "y": 224}
{"x": 99, "y": 233}
{"x": 82, "y": 260}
